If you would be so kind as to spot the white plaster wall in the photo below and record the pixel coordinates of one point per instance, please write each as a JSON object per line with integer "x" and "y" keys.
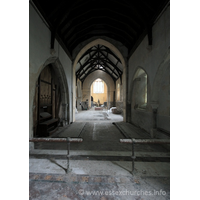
{"x": 39, "y": 53}
{"x": 150, "y": 60}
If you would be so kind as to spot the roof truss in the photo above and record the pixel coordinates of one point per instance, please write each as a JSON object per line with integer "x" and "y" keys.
{"x": 99, "y": 58}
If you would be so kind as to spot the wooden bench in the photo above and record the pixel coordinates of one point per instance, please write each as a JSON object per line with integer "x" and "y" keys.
{"x": 47, "y": 125}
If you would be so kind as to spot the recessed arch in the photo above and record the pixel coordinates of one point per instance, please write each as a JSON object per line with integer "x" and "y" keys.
{"x": 135, "y": 74}
{"x": 117, "y": 53}
{"x": 91, "y": 82}
{"x": 101, "y": 42}
{"x": 139, "y": 90}
{"x": 138, "y": 71}
{"x": 58, "y": 70}
{"x": 108, "y": 81}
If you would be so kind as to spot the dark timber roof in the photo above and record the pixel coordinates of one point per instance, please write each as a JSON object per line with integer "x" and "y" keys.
{"x": 99, "y": 58}
{"x": 74, "y": 21}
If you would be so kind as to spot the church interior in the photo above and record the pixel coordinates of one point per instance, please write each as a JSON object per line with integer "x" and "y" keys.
{"x": 99, "y": 99}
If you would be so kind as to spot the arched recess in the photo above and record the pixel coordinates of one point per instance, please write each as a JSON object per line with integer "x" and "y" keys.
{"x": 61, "y": 78}
{"x": 139, "y": 89}
{"x": 160, "y": 94}
{"x": 140, "y": 109}
{"x": 106, "y": 78}
{"x": 118, "y": 54}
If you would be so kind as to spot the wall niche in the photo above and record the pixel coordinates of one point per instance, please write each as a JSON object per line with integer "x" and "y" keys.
{"x": 47, "y": 103}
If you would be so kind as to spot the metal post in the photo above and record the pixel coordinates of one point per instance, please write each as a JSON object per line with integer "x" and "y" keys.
{"x": 142, "y": 141}
{"x": 68, "y": 140}
{"x": 155, "y": 118}
{"x": 68, "y": 148}
{"x": 133, "y": 155}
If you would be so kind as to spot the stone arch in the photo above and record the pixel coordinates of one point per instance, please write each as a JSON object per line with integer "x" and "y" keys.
{"x": 120, "y": 56}
{"x": 106, "y": 78}
{"x": 135, "y": 74}
{"x": 59, "y": 71}
{"x": 131, "y": 101}
{"x": 90, "y": 84}
{"x": 138, "y": 71}
{"x": 101, "y": 42}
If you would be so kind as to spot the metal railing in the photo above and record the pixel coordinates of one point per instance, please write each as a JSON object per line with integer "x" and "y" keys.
{"x": 142, "y": 141}
{"x": 133, "y": 141}
{"x": 68, "y": 140}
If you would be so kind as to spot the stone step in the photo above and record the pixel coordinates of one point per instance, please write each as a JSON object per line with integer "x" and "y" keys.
{"x": 99, "y": 153}
{"x": 112, "y": 168}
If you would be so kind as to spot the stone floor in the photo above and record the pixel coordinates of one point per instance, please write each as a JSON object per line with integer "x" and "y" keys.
{"x": 72, "y": 187}
{"x": 97, "y": 116}
{"x": 100, "y": 167}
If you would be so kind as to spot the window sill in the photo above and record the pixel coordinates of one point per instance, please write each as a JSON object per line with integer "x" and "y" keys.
{"x": 142, "y": 107}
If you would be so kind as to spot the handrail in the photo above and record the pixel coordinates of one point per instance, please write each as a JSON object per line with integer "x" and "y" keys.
{"x": 56, "y": 139}
{"x": 68, "y": 140}
{"x": 130, "y": 141}
{"x": 142, "y": 141}
{"x": 145, "y": 141}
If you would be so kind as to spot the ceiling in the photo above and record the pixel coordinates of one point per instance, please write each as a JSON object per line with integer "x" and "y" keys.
{"x": 101, "y": 58}
{"x": 73, "y": 21}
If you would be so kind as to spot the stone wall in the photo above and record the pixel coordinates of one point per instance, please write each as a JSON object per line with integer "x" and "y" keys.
{"x": 91, "y": 78}
{"x": 120, "y": 106}
{"x": 40, "y": 56}
{"x": 154, "y": 60}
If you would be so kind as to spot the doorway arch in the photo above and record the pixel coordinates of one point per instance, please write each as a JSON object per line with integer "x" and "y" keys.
{"x": 118, "y": 54}
{"x": 58, "y": 70}
{"x": 106, "y": 78}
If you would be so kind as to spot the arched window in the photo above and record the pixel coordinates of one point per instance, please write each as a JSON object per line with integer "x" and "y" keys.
{"x": 98, "y": 86}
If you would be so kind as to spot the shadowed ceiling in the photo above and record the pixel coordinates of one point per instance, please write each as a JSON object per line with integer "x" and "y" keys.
{"x": 73, "y": 21}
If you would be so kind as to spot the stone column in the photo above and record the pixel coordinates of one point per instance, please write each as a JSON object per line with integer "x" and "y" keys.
{"x": 31, "y": 146}
{"x": 153, "y": 131}
{"x": 128, "y": 112}
{"x": 64, "y": 118}
{"x": 78, "y": 103}
{"x": 89, "y": 101}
